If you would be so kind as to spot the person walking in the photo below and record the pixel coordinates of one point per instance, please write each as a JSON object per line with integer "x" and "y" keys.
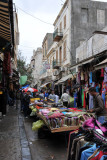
{"x": 99, "y": 107}
{"x": 26, "y": 104}
{"x": 65, "y": 98}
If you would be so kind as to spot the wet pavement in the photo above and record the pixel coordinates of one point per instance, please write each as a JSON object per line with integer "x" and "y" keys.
{"x": 53, "y": 147}
{"x": 19, "y": 142}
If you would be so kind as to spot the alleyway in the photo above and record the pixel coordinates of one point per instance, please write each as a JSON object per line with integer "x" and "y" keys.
{"x": 17, "y": 140}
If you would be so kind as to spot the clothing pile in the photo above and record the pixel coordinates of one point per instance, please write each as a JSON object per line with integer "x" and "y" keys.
{"x": 62, "y": 117}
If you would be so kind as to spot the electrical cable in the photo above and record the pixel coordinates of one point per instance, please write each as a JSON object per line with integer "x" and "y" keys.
{"x": 34, "y": 16}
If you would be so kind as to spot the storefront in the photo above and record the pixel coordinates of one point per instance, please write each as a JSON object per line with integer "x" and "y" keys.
{"x": 6, "y": 50}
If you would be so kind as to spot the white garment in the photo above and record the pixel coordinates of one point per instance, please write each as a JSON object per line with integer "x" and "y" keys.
{"x": 57, "y": 98}
{"x": 65, "y": 97}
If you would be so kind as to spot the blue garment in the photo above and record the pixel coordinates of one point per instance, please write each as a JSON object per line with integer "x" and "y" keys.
{"x": 75, "y": 99}
{"x": 103, "y": 94}
{"x": 104, "y": 157}
{"x": 102, "y": 119}
{"x": 90, "y": 77}
{"x": 46, "y": 95}
{"x": 88, "y": 152}
{"x": 97, "y": 89}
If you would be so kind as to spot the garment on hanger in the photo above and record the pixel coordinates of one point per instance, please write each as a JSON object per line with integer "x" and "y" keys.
{"x": 82, "y": 76}
{"x": 102, "y": 72}
{"x": 105, "y": 75}
{"x": 90, "y": 79}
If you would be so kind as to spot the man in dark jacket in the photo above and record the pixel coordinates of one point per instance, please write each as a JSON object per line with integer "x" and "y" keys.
{"x": 26, "y": 104}
{"x": 99, "y": 108}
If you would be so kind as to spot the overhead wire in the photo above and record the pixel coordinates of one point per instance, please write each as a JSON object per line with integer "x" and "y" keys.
{"x": 34, "y": 16}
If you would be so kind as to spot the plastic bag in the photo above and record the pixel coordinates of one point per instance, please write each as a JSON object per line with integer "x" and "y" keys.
{"x": 36, "y": 125}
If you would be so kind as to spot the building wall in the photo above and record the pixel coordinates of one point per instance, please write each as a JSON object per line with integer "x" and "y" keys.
{"x": 84, "y": 21}
{"x": 36, "y": 65}
{"x": 16, "y": 38}
{"x": 46, "y": 44}
{"x": 90, "y": 48}
{"x": 66, "y": 33}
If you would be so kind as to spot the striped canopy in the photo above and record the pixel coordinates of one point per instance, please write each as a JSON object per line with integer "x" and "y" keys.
{"x": 6, "y": 23}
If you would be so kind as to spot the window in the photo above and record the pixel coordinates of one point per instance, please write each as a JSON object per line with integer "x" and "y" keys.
{"x": 101, "y": 16}
{"x": 61, "y": 27}
{"x": 64, "y": 21}
{"x": 84, "y": 15}
{"x": 64, "y": 50}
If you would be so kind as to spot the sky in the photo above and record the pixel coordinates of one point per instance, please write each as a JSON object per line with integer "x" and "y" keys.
{"x": 32, "y": 31}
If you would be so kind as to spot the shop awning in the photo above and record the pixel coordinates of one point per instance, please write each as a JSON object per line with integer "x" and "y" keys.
{"x": 6, "y": 23}
{"x": 63, "y": 79}
{"x": 101, "y": 65}
{"x": 45, "y": 84}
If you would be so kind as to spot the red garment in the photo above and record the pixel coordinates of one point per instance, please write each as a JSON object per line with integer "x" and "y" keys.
{"x": 102, "y": 72}
{"x": 84, "y": 103}
{"x": 98, "y": 157}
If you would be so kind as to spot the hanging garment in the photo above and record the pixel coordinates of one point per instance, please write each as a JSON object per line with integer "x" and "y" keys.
{"x": 82, "y": 76}
{"x": 78, "y": 98}
{"x": 75, "y": 99}
{"x": 74, "y": 146}
{"x": 87, "y": 100}
{"x": 82, "y": 97}
{"x": 80, "y": 144}
{"x": 105, "y": 75}
{"x": 86, "y": 77}
{"x": 102, "y": 72}
{"x": 97, "y": 89}
{"x": 84, "y": 104}
{"x": 100, "y": 156}
{"x": 90, "y": 75}
{"x": 88, "y": 152}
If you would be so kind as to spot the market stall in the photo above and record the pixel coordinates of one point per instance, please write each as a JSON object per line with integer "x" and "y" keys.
{"x": 59, "y": 119}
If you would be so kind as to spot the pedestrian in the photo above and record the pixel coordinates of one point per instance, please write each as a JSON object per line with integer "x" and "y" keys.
{"x": 65, "y": 98}
{"x": 22, "y": 100}
{"x": 52, "y": 96}
{"x": 41, "y": 95}
{"x": 98, "y": 105}
{"x": 46, "y": 95}
{"x": 26, "y": 104}
{"x": 18, "y": 96}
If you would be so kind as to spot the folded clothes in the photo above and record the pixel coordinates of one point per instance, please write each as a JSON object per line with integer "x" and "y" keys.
{"x": 56, "y": 115}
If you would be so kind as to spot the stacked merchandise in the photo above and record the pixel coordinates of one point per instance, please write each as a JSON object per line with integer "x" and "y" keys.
{"x": 88, "y": 142}
{"x": 63, "y": 117}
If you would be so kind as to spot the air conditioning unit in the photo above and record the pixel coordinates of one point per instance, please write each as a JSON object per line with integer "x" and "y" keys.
{"x": 62, "y": 69}
{"x": 56, "y": 73}
{"x": 77, "y": 60}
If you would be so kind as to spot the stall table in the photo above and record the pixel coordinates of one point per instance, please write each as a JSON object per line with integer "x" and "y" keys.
{"x": 55, "y": 130}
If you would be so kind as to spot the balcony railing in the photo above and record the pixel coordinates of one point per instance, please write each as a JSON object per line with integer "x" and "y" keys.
{"x": 56, "y": 64}
{"x": 57, "y": 36}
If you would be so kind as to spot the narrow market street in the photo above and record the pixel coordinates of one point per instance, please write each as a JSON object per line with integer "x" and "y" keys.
{"x": 19, "y": 142}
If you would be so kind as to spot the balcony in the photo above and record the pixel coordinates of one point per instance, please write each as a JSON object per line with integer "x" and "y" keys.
{"x": 57, "y": 36}
{"x": 56, "y": 64}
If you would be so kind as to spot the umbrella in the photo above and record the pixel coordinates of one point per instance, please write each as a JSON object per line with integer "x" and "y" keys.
{"x": 30, "y": 89}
